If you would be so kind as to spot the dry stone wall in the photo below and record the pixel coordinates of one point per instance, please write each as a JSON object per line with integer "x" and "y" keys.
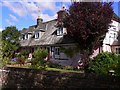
{"x": 31, "y": 78}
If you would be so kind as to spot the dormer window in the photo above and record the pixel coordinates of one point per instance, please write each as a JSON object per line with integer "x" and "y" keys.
{"x": 37, "y": 35}
{"x": 24, "y": 36}
{"x": 60, "y": 31}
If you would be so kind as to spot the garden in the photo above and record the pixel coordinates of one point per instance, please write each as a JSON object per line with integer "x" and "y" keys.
{"x": 44, "y": 74}
{"x": 104, "y": 63}
{"x": 38, "y": 61}
{"x": 87, "y": 36}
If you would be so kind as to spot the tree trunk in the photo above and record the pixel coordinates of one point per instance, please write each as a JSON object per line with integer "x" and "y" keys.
{"x": 85, "y": 59}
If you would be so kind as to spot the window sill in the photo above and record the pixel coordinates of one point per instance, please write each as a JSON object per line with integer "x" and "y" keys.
{"x": 61, "y": 59}
{"x": 36, "y": 38}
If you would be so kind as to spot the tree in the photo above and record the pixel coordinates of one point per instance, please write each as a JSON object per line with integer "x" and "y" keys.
{"x": 0, "y": 50}
{"x": 86, "y": 23}
{"x": 10, "y": 41}
{"x": 118, "y": 37}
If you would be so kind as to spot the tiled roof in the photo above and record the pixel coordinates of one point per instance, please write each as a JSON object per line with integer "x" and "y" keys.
{"x": 116, "y": 43}
{"x": 116, "y": 18}
{"x": 48, "y": 38}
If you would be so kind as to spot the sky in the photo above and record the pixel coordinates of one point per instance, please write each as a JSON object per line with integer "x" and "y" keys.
{"x": 23, "y": 13}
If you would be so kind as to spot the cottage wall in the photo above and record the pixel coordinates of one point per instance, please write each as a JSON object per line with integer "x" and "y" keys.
{"x": 69, "y": 61}
{"x": 114, "y": 48}
{"x": 63, "y": 59}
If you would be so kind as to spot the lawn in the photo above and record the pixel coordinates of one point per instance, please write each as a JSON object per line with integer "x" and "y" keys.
{"x": 48, "y": 68}
{"x": 63, "y": 70}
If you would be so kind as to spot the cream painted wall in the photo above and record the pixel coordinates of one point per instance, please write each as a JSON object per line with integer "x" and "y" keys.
{"x": 111, "y": 36}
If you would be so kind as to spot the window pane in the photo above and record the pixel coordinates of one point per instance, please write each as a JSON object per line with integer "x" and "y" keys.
{"x": 26, "y": 36}
{"x": 118, "y": 50}
{"x": 57, "y": 52}
{"x": 37, "y": 35}
{"x": 23, "y": 37}
{"x": 60, "y": 31}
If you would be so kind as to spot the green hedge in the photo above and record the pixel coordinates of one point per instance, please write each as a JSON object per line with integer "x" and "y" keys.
{"x": 104, "y": 62}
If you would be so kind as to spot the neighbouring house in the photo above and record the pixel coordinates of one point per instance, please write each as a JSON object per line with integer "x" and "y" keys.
{"x": 115, "y": 47}
{"x": 51, "y": 35}
{"x": 111, "y": 42}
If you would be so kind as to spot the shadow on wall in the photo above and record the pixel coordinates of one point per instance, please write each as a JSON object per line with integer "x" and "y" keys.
{"x": 73, "y": 62}
{"x": 30, "y": 78}
{"x": 119, "y": 37}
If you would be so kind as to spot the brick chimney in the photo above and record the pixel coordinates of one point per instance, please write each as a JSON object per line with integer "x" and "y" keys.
{"x": 61, "y": 15}
{"x": 39, "y": 20}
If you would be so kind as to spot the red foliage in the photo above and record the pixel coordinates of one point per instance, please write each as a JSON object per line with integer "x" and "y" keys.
{"x": 87, "y": 22}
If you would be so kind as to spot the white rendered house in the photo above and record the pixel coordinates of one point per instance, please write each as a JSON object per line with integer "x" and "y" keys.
{"x": 111, "y": 36}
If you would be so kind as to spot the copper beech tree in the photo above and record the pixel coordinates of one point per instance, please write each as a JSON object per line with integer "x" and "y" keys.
{"x": 86, "y": 23}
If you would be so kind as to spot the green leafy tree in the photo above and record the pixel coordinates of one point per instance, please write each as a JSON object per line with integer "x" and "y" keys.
{"x": 0, "y": 50}
{"x": 87, "y": 23}
{"x": 10, "y": 41}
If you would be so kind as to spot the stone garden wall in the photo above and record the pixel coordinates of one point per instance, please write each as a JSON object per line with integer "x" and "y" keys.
{"x": 30, "y": 78}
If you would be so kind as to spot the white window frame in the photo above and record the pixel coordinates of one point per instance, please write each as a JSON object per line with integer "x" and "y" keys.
{"x": 26, "y": 36}
{"x": 37, "y": 35}
{"x": 60, "y": 31}
{"x": 57, "y": 52}
{"x": 23, "y": 37}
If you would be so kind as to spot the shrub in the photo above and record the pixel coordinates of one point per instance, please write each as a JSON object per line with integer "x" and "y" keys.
{"x": 20, "y": 58}
{"x": 38, "y": 61}
{"x": 25, "y": 53}
{"x": 5, "y": 61}
{"x": 103, "y": 62}
{"x": 117, "y": 66}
